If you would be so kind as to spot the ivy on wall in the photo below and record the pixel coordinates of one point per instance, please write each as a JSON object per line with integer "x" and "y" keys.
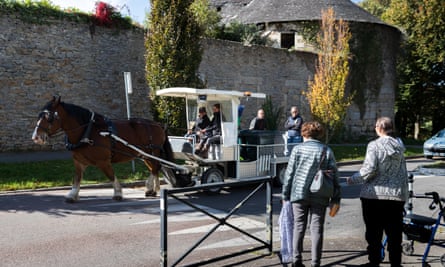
{"x": 366, "y": 65}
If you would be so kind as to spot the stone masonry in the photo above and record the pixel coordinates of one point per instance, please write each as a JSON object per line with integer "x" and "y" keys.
{"x": 84, "y": 68}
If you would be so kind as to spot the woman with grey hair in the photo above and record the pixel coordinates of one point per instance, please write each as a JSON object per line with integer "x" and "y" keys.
{"x": 383, "y": 194}
{"x": 305, "y": 160}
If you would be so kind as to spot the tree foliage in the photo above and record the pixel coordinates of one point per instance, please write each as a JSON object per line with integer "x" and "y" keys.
{"x": 375, "y": 7}
{"x": 207, "y": 18}
{"x": 421, "y": 68}
{"x": 248, "y": 34}
{"x": 173, "y": 55}
{"x": 326, "y": 94}
{"x": 45, "y": 12}
{"x": 272, "y": 114}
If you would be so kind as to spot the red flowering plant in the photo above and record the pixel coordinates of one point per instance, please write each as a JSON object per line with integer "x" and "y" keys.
{"x": 104, "y": 14}
{"x": 107, "y": 15}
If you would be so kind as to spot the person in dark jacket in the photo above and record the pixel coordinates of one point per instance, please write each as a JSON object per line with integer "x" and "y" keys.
{"x": 293, "y": 127}
{"x": 259, "y": 122}
{"x": 303, "y": 164}
{"x": 384, "y": 192}
{"x": 201, "y": 122}
{"x": 212, "y": 132}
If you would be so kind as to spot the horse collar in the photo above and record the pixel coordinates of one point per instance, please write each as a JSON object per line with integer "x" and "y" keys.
{"x": 85, "y": 139}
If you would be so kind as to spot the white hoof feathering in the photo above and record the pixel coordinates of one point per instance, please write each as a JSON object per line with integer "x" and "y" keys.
{"x": 73, "y": 195}
{"x": 152, "y": 184}
{"x": 117, "y": 189}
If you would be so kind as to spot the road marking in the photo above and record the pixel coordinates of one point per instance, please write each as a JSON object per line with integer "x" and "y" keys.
{"x": 236, "y": 242}
{"x": 240, "y": 222}
{"x": 188, "y": 214}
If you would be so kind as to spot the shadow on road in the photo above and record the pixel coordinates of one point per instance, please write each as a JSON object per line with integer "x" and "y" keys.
{"x": 53, "y": 203}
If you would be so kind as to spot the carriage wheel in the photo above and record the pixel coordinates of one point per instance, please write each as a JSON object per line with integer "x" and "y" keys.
{"x": 408, "y": 248}
{"x": 212, "y": 175}
{"x": 442, "y": 260}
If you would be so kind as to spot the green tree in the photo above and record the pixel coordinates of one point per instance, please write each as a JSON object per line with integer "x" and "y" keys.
{"x": 326, "y": 93}
{"x": 173, "y": 57}
{"x": 207, "y": 18}
{"x": 421, "y": 68}
{"x": 375, "y": 7}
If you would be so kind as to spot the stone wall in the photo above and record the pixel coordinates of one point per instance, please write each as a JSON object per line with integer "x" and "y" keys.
{"x": 284, "y": 75}
{"x": 85, "y": 68}
{"x": 66, "y": 59}
{"x": 278, "y": 73}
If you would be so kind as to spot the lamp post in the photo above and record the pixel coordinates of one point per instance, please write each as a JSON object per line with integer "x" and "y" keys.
{"x": 128, "y": 91}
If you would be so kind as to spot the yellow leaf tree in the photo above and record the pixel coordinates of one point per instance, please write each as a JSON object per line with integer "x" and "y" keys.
{"x": 326, "y": 94}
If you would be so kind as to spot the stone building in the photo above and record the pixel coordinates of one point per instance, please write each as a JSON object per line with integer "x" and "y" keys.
{"x": 372, "y": 76}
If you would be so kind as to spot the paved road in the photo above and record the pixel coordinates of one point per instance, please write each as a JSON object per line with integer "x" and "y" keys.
{"x": 39, "y": 229}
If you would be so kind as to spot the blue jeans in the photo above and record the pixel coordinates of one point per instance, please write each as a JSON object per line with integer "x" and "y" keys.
{"x": 291, "y": 141}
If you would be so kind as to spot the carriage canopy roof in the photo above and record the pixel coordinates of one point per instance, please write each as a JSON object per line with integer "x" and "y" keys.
{"x": 211, "y": 94}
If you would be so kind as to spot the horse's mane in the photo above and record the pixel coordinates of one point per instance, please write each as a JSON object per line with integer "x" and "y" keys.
{"x": 82, "y": 115}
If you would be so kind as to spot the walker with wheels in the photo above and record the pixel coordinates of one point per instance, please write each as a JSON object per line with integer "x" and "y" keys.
{"x": 420, "y": 228}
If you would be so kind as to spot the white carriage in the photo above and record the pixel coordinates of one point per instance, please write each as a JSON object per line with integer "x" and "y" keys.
{"x": 237, "y": 155}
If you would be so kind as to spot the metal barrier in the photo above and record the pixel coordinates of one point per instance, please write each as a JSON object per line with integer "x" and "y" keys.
{"x": 267, "y": 244}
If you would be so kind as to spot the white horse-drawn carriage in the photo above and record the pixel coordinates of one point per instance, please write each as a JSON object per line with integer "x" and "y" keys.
{"x": 238, "y": 154}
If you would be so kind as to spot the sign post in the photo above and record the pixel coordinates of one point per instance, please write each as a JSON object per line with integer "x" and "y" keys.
{"x": 128, "y": 91}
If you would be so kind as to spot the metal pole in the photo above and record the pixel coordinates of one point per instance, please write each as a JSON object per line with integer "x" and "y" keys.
{"x": 128, "y": 91}
{"x": 269, "y": 215}
{"x": 164, "y": 236}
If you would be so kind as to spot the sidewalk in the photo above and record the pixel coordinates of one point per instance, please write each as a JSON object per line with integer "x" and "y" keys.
{"x": 349, "y": 252}
{"x": 33, "y": 156}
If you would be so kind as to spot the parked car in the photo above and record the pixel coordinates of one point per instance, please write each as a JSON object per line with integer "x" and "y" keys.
{"x": 435, "y": 146}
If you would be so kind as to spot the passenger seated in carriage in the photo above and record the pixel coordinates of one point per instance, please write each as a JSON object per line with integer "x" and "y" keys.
{"x": 212, "y": 133}
{"x": 202, "y": 121}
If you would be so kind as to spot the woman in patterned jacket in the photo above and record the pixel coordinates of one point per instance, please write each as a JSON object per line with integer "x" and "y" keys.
{"x": 383, "y": 194}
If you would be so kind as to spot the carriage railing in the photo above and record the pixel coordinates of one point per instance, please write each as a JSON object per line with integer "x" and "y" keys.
{"x": 252, "y": 160}
{"x": 182, "y": 145}
{"x": 257, "y": 160}
{"x": 261, "y": 182}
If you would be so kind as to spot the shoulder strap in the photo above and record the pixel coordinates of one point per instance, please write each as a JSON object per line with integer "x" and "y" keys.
{"x": 323, "y": 156}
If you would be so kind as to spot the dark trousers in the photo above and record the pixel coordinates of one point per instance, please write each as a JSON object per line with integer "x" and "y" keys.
{"x": 387, "y": 216}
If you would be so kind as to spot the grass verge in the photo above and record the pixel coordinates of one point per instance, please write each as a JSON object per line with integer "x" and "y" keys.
{"x": 44, "y": 174}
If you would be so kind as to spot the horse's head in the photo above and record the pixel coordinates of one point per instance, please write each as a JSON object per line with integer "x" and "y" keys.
{"x": 48, "y": 122}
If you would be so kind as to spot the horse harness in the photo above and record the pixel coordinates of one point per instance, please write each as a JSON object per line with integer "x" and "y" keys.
{"x": 85, "y": 139}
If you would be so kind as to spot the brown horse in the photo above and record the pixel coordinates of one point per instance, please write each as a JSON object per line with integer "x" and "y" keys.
{"x": 89, "y": 148}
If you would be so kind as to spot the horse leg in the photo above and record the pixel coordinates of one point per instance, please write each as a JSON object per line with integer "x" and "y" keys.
{"x": 107, "y": 169}
{"x": 73, "y": 195}
{"x": 152, "y": 183}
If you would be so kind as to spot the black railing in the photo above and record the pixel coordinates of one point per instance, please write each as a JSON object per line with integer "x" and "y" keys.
{"x": 224, "y": 221}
